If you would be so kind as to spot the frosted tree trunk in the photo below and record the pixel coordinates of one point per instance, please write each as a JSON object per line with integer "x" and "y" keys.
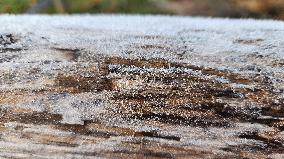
{"x": 87, "y": 86}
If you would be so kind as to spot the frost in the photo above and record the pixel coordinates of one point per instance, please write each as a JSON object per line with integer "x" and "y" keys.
{"x": 158, "y": 86}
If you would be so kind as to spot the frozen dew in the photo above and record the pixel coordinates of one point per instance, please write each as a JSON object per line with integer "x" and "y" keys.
{"x": 159, "y": 86}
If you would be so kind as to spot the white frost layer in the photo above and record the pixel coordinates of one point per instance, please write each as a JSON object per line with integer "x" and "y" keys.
{"x": 113, "y": 34}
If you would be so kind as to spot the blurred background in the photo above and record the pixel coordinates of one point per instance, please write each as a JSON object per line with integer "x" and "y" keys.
{"x": 263, "y": 9}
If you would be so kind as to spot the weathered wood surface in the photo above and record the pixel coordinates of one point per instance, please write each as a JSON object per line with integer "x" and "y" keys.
{"x": 135, "y": 87}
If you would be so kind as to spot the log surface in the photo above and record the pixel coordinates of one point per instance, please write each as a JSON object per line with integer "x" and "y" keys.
{"x": 87, "y": 86}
